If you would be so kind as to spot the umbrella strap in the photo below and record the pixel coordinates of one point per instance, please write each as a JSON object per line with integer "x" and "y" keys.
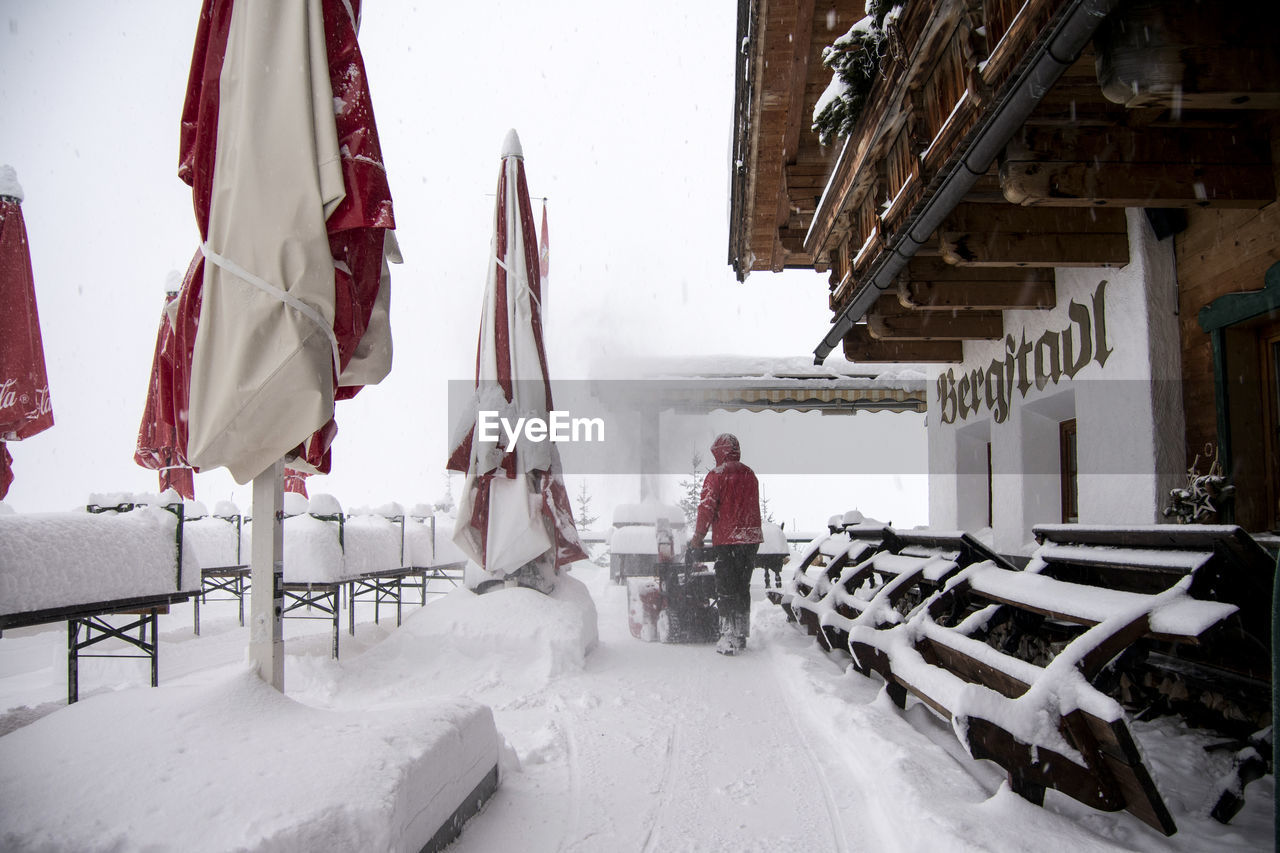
{"x": 281, "y": 295}
{"x": 503, "y": 264}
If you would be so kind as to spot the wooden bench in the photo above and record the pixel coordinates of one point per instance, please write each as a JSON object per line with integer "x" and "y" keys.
{"x": 29, "y": 542}
{"x": 821, "y": 564}
{"x": 885, "y": 580}
{"x": 999, "y": 651}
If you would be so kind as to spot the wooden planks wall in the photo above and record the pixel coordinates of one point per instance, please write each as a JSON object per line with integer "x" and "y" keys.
{"x": 1220, "y": 252}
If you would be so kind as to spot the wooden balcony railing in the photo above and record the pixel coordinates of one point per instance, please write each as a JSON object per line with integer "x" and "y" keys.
{"x": 951, "y": 56}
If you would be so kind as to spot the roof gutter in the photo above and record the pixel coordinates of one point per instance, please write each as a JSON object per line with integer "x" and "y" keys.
{"x": 1049, "y": 59}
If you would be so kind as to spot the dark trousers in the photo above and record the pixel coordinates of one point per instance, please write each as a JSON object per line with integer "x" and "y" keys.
{"x": 734, "y": 565}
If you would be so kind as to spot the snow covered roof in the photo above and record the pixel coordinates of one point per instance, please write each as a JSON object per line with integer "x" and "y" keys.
{"x": 731, "y": 382}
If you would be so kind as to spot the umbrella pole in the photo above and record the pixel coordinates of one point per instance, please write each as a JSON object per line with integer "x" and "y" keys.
{"x": 266, "y": 569}
{"x": 650, "y": 452}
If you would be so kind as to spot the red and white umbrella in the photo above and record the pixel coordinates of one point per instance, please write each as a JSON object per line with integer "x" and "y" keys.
{"x": 295, "y": 482}
{"x": 285, "y": 309}
{"x": 157, "y": 447}
{"x": 514, "y": 515}
{"x": 24, "y": 387}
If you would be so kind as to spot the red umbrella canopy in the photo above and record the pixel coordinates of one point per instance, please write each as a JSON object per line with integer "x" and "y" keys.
{"x": 280, "y": 148}
{"x": 157, "y": 447}
{"x": 24, "y": 387}
{"x": 6, "y": 470}
{"x": 515, "y": 509}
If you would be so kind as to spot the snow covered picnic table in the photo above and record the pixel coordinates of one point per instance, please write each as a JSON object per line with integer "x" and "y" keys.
{"x": 371, "y": 553}
{"x": 116, "y": 557}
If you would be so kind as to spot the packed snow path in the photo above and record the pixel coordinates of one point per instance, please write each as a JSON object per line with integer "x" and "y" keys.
{"x": 653, "y": 747}
{"x": 669, "y": 747}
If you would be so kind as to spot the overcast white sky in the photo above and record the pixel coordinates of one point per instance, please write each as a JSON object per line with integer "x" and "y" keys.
{"x": 624, "y": 112}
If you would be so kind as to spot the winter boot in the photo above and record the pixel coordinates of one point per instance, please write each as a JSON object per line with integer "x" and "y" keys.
{"x": 726, "y": 644}
{"x": 741, "y": 628}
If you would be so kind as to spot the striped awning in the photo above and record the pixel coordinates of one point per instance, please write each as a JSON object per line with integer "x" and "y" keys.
{"x": 815, "y": 395}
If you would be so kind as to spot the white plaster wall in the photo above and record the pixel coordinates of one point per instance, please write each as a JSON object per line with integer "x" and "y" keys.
{"x": 1129, "y": 428}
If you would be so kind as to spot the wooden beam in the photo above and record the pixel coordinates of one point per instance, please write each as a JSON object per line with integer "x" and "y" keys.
{"x": 859, "y": 346}
{"x": 1138, "y": 167}
{"x": 935, "y": 325}
{"x": 1190, "y": 56}
{"x": 801, "y": 51}
{"x": 929, "y": 284}
{"x": 1004, "y": 235}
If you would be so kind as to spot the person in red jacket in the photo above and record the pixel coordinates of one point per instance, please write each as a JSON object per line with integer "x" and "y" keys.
{"x": 730, "y": 509}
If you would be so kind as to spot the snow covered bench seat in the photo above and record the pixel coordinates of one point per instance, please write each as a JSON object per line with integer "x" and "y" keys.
{"x": 1179, "y": 673}
{"x": 1045, "y": 726}
{"x": 821, "y": 564}
{"x": 877, "y": 583}
{"x": 1020, "y": 660}
{"x": 81, "y": 567}
{"x": 1182, "y": 621}
{"x": 870, "y": 592}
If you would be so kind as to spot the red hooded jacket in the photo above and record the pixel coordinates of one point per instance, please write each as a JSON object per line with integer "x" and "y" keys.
{"x": 730, "y": 503}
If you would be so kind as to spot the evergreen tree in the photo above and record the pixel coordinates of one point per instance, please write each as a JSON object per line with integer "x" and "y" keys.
{"x": 583, "y": 515}
{"x": 854, "y": 60}
{"x": 446, "y": 503}
{"x": 765, "y": 513}
{"x": 691, "y": 488}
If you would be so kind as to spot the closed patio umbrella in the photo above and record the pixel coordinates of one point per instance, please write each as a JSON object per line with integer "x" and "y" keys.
{"x": 514, "y": 517}
{"x": 157, "y": 447}
{"x": 24, "y": 387}
{"x": 285, "y": 309}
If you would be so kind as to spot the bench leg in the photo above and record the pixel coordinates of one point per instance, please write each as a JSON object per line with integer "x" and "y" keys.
{"x": 155, "y": 648}
{"x": 351, "y": 613}
{"x": 1025, "y": 788}
{"x": 196, "y": 600}
{"x": 897, "y": 693}
{"x": 336, "y": 611}
{"x": 73, "y": 661}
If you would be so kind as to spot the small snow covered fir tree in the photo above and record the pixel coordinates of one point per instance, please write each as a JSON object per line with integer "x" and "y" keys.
{"x": 446, "y": 503}
{"x": 854, "y": 60}
{"x": 766, "y": 514}
{"x": 691, "y": 488}
{"x": 584, "y": 518}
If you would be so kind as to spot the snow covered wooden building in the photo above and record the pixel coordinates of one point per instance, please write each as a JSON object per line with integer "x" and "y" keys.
{"x": 1065, "y": 208}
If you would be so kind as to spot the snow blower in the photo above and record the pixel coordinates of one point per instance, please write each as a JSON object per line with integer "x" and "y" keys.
{"x": 678, "y": 603}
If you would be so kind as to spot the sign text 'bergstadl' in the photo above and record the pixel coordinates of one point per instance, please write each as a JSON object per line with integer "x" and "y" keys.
{"x": 1055, "y": 355}
{"x": 559, "y": 426}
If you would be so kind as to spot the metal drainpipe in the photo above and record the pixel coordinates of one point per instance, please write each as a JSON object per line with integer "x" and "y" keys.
{"x": 1054, "y": 55}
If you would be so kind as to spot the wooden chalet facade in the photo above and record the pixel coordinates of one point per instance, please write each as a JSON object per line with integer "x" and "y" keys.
{"x": 1067, "y": 210}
